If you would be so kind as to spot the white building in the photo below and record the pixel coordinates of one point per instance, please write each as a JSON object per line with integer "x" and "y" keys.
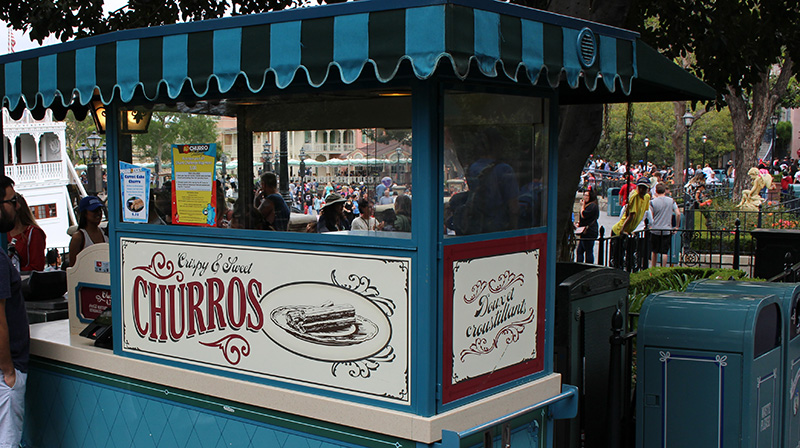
{"x": 35, "y": 157}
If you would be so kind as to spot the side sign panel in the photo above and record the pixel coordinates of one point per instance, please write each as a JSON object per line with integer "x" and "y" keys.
{"x": 494, "y": 313}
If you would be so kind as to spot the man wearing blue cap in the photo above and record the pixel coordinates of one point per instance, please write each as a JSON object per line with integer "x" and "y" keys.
{"x": 14, "y": 332}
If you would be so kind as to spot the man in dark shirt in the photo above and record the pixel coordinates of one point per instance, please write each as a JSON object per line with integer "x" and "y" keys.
{"x": 269, "y": 192}
{"x": 14, "y": 332}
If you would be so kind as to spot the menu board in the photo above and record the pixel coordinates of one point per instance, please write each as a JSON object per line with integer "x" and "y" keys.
{"x": 135, "y": 188}
{"x": 194, "y": 197}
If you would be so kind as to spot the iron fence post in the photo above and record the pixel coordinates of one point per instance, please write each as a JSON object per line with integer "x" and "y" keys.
{"x": 736, "y": 248}
{"x": 759, "y": 215}
{"x": 601, "y": 247}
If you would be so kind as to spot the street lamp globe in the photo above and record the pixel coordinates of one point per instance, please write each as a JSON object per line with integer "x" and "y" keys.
{"x": 774, "y": 119}
{"x": 688, "y": 119}
{"x": 94, "y": 140}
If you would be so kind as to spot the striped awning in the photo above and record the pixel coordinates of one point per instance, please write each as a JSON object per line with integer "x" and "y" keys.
{"x": 347, "y": 42}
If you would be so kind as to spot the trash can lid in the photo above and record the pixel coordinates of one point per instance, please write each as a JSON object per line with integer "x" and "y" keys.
{"x": 589, "y": 280}
{"x": 711, "y": 322}
{"x": 786, "y": 291}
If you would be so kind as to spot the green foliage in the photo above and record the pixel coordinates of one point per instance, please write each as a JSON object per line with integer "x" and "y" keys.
{"x": 80, "y": 18}
{"x": 784, "y": 131}
{"x": 730, "y": 43}
{"x": 656, "y": 121}
{"x": 381, "y": 135}
{"x": 167, "y": 128}
{"x": 76, "y": 133}
{"x": 649, "y": 281}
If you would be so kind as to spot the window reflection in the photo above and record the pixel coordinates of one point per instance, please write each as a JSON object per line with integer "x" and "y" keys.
{"x": 495, "y": 158}
{"x": 291, "y": 175}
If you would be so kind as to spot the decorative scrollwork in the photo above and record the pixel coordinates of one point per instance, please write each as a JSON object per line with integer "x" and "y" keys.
{"x": 664, "y": 356}
{"x": 691, "y": 257}
{"x": 161, "y": 268}
{"x": 476, "y": 290}
{"x": 362, "y": 285}
{"x": 722, "y": 360}
{"x": 504, "y": 281}
{"x": 363, "y": 368}
{"x": 234, "y": 347}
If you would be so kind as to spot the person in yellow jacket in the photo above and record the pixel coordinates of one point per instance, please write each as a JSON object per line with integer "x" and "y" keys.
{"x": 638, "y": 204}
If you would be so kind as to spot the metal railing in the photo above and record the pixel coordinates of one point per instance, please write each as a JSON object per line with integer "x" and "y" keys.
{"x": 37, "y": 172}
{"x": 710, "y": 248}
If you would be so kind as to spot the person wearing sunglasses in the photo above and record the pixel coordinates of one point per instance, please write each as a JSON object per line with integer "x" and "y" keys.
{"x": 89, "y": 231}
{"x": 14, "y": 331}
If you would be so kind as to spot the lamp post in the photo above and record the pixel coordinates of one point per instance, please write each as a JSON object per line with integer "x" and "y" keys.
{"x": 688, "y": 119}
{"x": 224, "y": 160}
{"x": 266, "y": 157}
{"x": 774, "y": 120}
{"x": 646, "y": 144}
{"x": 705, "y": 138}
{"x": 399, "y": 153}
{"x": 302, "y": 167}
{"x": 94, "y": 168}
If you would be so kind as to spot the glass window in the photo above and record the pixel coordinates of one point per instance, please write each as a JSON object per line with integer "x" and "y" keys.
{"x": 495, "y": 162}
{"x": 44, "y": 211}
{"x": 313, "y": 184}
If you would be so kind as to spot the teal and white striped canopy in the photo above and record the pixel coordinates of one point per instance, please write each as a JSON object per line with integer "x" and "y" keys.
{"x": 361, "y": 40}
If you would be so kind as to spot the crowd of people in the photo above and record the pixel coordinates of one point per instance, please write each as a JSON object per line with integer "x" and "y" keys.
{"x": 327, "y": 207}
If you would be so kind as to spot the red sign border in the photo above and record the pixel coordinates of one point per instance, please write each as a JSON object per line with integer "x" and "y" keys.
{"x": 456, "y": 252}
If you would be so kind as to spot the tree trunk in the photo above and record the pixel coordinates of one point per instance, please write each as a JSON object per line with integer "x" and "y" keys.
{"x": 750, "y": 121}
{"x": 579, "y": 132}
{"x": 580, "y": 127}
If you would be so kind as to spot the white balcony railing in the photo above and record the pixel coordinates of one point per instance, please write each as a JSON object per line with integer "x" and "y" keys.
{"x": 329, "y": 147}
{"x": 37, "y": 172}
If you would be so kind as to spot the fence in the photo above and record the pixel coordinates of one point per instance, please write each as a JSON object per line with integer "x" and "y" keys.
{"x": 710, "y": 248}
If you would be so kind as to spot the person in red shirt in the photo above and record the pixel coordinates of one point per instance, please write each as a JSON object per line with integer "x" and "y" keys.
{"x": 625, "y": 191}
{"x": 27, "y": 238}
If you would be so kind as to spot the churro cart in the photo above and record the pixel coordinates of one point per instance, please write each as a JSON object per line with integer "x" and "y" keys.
{"x": 228, "y": 330}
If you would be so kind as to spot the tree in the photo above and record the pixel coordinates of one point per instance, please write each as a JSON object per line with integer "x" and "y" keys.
{"x": 167, "y": 128}
{"x": 68, "y": 19}
{"x": 656, "y": 122}
{"x": 76, "y": 134}
{"x": 744, "y": 49}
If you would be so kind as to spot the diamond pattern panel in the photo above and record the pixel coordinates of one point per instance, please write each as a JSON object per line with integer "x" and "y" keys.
{"x": 68, "y": 412}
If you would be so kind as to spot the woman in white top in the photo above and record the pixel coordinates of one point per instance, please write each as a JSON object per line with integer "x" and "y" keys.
{"x": 89, "y": 232}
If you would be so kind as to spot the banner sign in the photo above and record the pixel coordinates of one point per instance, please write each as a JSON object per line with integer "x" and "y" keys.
{"x": 135, "y": 187}
{"x": 494, "y": 313}
{"x": 194, "y": 195}
{"x": 332, "y": 320}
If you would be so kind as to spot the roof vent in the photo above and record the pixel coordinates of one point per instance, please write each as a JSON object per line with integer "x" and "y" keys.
{"x": 587, "y": 47}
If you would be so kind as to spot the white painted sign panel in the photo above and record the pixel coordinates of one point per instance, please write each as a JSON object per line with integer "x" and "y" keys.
{"x": 495, "y": 313}
{"x": 332, "y": 320}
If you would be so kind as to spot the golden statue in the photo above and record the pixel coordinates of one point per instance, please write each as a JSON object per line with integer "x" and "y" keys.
{"x": 751, "y": 198}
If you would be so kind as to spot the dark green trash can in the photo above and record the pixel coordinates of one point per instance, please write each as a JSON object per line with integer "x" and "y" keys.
{"x": 587, "y": 296}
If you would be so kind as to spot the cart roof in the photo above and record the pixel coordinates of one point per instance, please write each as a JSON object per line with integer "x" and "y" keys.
{"x": 372, "y": 39}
